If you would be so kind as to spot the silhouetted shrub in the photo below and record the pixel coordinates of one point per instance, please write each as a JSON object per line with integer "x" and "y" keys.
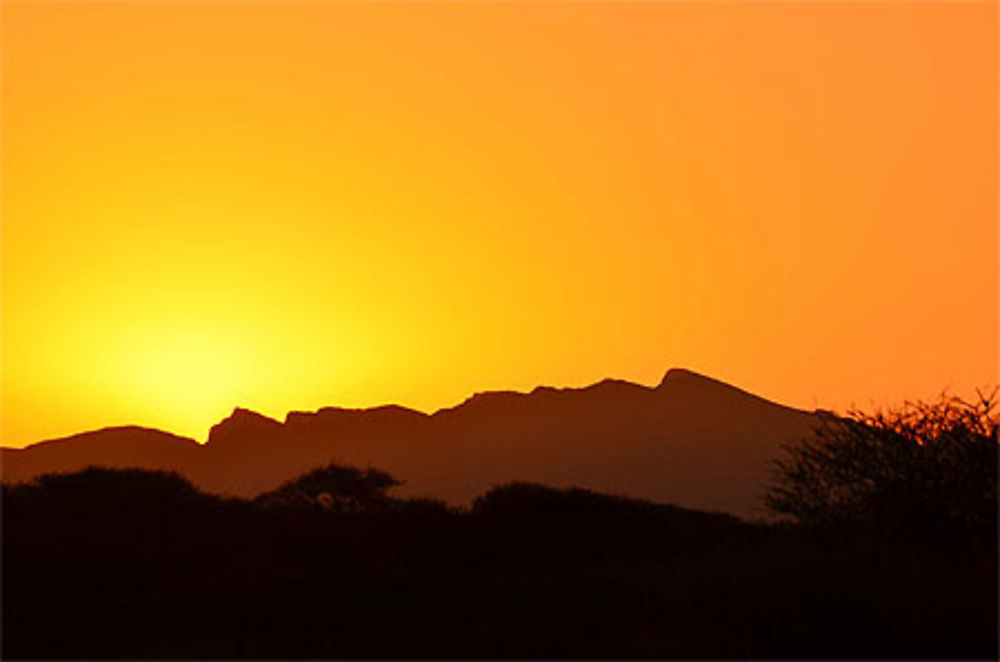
{"x": 109, "y": 488}
{"x": 335, "y": 488}
{"x": 541, "y": 522}
{"x": 921, "y": 469}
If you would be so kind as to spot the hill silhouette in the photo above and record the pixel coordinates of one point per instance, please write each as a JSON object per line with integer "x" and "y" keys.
{"x": 691, "y": 440}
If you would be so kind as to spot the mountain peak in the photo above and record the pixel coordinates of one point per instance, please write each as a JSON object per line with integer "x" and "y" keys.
{"x": 243, "y": 422}
{"x": 683, "y": 376}
{"x": 249, "y": 416}
{"x": 619, "y": 385}
{"x": 684, "y": 381}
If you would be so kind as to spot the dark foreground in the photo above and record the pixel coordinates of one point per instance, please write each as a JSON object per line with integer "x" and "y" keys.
{"x": 140, "y": 565}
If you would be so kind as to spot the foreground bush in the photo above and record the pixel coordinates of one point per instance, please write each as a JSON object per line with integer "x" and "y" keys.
{"x": 926, "y": 469}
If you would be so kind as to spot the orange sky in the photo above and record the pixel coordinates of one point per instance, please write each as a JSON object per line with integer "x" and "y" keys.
{"x": 285, "y": 206}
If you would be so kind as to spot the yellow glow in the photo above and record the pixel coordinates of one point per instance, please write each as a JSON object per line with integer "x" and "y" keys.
{"x": 292, "y": 205}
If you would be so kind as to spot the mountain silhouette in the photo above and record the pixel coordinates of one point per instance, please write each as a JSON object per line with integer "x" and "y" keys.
{"x": 128, "y": 446}
{"x": 692, "y": 440}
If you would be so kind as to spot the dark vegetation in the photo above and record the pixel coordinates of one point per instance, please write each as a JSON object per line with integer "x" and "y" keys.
{"x": 925, "y": 469}
{"x": 890, "y": 551}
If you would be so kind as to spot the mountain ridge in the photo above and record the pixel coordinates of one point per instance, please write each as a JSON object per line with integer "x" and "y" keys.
{"x": 691, "y": 440}
{"x": 108, "y": 429}
{"x": 670, "y": 378}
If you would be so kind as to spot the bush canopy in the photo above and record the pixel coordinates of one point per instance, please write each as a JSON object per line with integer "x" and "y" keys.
{"x": 924, "y": 467}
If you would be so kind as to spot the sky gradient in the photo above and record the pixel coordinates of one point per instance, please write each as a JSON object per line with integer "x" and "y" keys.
{"x": 287, "y": 206}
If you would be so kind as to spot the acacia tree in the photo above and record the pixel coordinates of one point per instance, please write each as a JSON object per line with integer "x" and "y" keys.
{"x": 922, "y": 468}
{"x": 335, "y": 488}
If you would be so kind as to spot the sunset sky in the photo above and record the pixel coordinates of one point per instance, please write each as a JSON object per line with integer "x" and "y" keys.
{"x": 286, "y": 206}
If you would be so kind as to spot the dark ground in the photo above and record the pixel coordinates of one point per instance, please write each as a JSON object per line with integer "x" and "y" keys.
{"x": 133, "y": 564}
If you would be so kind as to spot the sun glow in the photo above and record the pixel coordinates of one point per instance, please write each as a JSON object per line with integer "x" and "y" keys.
{"x": 181, "y": 368}
{"x": 289, "y": 206}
